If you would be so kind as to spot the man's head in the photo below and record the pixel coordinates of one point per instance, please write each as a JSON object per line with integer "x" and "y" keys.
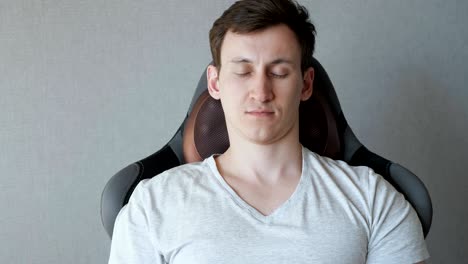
{"x": 262, "y": 52}
{"x": 248, "y": 16}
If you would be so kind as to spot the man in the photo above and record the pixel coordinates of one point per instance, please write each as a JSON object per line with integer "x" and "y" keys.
{"x": 266, "y": 199}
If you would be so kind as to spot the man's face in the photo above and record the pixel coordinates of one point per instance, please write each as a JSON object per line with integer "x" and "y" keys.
{"x": 260, "y": 84}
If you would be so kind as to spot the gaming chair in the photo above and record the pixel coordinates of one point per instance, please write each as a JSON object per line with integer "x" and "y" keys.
{"x": 323, "y": 130}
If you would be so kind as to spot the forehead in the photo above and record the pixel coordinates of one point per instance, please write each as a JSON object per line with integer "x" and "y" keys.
{"x": 264, "y": 46}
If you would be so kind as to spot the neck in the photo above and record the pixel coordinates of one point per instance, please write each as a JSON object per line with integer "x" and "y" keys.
{"x": 262, "y": 163}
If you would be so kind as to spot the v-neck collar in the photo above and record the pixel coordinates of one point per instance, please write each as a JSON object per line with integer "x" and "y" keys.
{"x": 252, "y": 210}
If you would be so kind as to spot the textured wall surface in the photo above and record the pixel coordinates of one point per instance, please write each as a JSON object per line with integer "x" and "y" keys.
{"x": 88, "y": 87}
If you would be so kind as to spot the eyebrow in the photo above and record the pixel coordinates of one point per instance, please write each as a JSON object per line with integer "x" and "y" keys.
{"x": 239, "y": 60}
{"x": 282, "y": 60}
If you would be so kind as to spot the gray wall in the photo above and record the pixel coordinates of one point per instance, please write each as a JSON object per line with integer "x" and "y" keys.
{"x": 90, "y": 86}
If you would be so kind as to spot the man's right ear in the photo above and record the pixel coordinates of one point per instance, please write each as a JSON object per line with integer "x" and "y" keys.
{"x": 212, "y": 78}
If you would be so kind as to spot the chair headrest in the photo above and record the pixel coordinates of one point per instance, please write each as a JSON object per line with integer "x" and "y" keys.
{"x": 205, "y": 130}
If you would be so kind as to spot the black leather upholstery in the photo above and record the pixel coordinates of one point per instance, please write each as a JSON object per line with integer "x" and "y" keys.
{"x": 323, "y": 129}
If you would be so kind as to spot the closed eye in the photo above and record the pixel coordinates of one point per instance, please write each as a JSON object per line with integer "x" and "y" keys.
{"x": 279, "y": 76}
{"x": 242, "y": 74}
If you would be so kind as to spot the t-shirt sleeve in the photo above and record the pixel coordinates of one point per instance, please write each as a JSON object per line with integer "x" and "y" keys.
{"x": 396, "y": 234}
{"x": 131, "y": 239}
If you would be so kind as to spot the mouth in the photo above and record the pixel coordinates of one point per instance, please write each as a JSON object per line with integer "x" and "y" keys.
{"x": 260, "y": 113}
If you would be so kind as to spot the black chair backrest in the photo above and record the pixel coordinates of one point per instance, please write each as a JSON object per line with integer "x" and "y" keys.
{"x": 323, "y": 129}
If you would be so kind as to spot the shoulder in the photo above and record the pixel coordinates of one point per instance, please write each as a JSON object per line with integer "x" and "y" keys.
{"x": 179, "y": 175}
{"x": 341, "y": 170}
{"x": 315, "y": 160}
{"x": 395, "y": 232}
{"x": 358, "y": 183}
{"x": 171, "y": 183}
{"x": 337, "y": 171}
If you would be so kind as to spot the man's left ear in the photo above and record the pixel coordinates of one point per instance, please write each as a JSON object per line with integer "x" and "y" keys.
{"x": 308, "y": 84}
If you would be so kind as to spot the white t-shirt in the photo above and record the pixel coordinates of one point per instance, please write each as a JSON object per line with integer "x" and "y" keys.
{"x": 337, "y": 214}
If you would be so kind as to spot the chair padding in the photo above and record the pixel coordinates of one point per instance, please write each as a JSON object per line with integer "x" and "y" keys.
{"x": 205, "y": 130}
{"x": 206, "y": 133}
{"x": 322, "y": 129}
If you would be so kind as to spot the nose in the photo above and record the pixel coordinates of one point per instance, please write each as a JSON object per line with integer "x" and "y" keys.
{"x": 261, "y": 89}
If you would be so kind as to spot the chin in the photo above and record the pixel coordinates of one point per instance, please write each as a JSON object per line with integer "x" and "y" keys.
{"x": 263, "y": 138}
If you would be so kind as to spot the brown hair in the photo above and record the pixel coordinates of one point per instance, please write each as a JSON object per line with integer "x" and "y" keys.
{"x": 246, "y": 16}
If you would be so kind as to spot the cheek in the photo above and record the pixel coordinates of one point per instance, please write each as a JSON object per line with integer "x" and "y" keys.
{"x": 231, "y": 98}
{"x": 233, "y": 89}
{"x": 289, "y": 93}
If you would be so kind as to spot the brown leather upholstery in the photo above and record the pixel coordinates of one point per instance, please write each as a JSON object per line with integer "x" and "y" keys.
{"x": 205, "y": 131}
{"x": 318, "y": 126}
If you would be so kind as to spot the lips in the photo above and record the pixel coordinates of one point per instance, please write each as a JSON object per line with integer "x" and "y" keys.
{"x": 260, "y": 112}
